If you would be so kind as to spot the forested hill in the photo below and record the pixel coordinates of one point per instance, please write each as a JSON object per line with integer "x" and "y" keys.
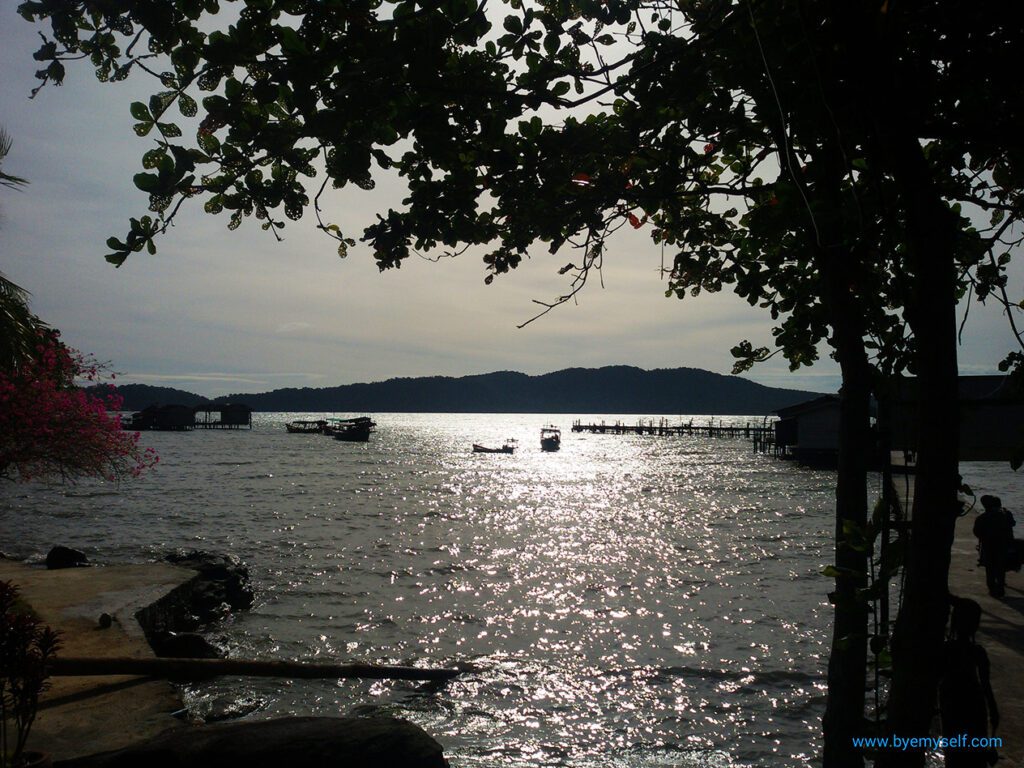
{"x": 138, "y": 396}
{"x": 617, "y": 389}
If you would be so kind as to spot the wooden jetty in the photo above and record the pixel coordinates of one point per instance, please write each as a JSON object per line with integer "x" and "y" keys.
{"x": 184, "y": 418}
{"x": 223, "y": 416}
{"x": 759, "y": 433}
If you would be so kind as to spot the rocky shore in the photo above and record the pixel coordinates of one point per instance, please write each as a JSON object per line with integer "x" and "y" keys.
{"x": 220, "y": 585}
{"x": 141, "y": 611}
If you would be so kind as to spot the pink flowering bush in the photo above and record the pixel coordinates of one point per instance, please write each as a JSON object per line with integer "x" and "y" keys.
{"x": 50, "y": 427}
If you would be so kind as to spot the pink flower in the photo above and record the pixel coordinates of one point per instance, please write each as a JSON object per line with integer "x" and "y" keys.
{"x": 50, "y": 427}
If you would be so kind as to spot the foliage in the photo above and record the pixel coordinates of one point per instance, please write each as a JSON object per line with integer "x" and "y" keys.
{"x": 50, "y": 427}
{"x": 18, "y": 326}
{"x": 7, "y": 179}
{"x": 26, "y": 648}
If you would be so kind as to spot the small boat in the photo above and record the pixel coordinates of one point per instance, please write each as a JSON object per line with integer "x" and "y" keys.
{"x": 550, "y": 438}
{"x": 306, "y": 427}
{"x": 508, "y": 447}
{"x": 357, "y": 430}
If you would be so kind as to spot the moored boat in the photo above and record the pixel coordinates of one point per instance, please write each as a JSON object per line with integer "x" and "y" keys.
{"x": 508, "y": 447}
{"x": 306, "y": 427}
{"x": 550, "y": 438}
{"x": 356, "y": 430}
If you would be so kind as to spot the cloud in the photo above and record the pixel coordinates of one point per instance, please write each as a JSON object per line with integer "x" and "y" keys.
{"x": 292, "y": 327}
{"x": 143, "y": 378}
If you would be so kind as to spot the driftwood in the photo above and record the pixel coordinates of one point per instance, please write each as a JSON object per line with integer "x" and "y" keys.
{"x": 193, "y": 669}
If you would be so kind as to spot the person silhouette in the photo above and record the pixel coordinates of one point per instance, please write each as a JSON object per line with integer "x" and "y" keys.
{"x": 994, "y": 529}
{"x": 966, "y": 702}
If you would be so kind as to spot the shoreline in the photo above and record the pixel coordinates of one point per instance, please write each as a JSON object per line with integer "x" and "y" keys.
{"x": 127, "y": 720}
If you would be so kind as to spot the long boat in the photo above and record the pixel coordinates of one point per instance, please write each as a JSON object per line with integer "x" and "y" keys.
{"x": 550, "y": 438}
{"x": 508, "y": 447}
{"x": 306, "y": 427}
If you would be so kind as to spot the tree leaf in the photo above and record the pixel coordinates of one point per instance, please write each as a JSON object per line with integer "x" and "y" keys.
{"x": 147, "y": 182}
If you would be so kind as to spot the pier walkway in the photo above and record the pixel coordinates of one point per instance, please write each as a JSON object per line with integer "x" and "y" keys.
{"x": 662, "y": 427}
{"x": 1001, "y": 632}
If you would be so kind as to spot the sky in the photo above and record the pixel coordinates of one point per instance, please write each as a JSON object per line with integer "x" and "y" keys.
{"x": 218, "y": 312}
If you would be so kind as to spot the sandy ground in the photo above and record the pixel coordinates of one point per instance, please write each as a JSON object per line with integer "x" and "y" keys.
{"x": 84, "y": 715}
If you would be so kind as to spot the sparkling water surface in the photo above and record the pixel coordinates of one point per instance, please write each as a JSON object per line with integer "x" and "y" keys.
{"x": 626, "y": 601}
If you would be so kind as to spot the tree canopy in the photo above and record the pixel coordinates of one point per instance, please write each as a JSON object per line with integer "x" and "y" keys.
{"x": 852, "y": 168}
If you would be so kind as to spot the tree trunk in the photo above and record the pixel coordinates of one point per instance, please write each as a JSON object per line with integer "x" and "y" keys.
{"x": 838, "y": 255}
{"x": 844, "y": 713}
{"x": 920, "y": 625}
{"x": 882, "y": 83}
{"x": 201, "y": 669}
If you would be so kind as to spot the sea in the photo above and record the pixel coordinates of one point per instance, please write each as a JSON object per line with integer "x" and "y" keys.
{"x": 632, "y": 601}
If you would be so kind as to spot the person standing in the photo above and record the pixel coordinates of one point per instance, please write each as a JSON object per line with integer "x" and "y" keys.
{"x": 966, "y": 701}
{"x": 994, "y": 530}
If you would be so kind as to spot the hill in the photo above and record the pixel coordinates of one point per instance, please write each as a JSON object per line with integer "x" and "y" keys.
{"x": 614, "y": 389}
{"x": 138, "y": 396}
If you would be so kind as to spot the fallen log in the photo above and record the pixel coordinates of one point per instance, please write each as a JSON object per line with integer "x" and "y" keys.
{"x": 193, "y": 669}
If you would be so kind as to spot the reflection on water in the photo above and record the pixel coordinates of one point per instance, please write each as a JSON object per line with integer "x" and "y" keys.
{"x": 633, "y": 601}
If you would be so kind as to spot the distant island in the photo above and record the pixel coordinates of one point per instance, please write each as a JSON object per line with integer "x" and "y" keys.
{"x": 613, "y": 389}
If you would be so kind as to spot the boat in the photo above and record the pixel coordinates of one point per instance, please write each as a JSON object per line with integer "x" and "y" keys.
{"x": 336, "y": 426}
{"x": 357, "y": 430}
{"x": 550, "y": 438}
{"x": 306, "y": 427}
{"x": 508, "y": 447}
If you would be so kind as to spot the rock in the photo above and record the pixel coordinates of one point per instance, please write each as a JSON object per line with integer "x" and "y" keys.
{"x": 65, "y": 557}
{"x": 347, "y": 742}
{"x": 230, "y": 708}
{"x": 105, "y": 621}
{"x": 183, "y": 645}
{"x": 223, "y": 580}
{"x": 221, "y": 585}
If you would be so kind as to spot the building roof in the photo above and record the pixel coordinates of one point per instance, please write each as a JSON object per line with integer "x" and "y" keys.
{"x": 817, "y": 404}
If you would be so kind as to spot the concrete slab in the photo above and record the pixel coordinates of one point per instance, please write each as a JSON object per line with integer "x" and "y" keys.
{"x": 83, "y": 715}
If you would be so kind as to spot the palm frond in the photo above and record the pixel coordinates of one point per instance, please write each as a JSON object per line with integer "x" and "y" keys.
{"x": 6, "y": 179}
{"x": 19, "y": 328}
